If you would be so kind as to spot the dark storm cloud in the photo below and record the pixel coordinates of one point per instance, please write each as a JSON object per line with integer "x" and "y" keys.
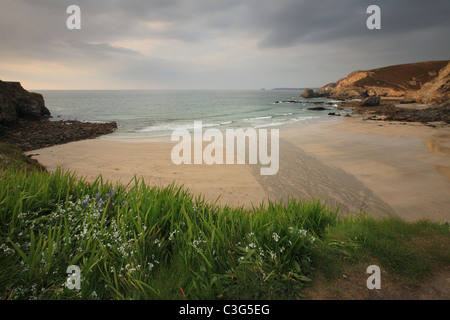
{"x": 274, "y": 23}
{"x": 412, "y": 30}
{"x": 326, "y": 20}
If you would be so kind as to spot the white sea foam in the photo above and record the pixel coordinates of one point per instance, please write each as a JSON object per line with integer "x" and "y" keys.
{"x": 173, "y": 126}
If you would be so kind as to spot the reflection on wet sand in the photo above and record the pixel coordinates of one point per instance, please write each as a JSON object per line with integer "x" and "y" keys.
{"x": 445, "y": 171}
{"x": 437, "y": 144}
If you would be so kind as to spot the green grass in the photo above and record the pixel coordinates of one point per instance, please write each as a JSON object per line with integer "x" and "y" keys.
{"x": 408, "y": 251}
{"x": 12, "y": 157}
{"x": 143, "y": 242}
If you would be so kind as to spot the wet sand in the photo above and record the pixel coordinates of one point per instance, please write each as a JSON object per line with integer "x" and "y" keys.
{"x": 404, "y": 165}
{"x": 384, "y": 169}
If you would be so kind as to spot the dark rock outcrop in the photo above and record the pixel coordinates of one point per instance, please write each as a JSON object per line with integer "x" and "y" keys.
{"x": 371, "y": 101}
{"x": 317, "y": 108}
{"x": 16, "y": 102}
{"x": 439, "y": 114}
{"x": 24, "y": 121}
{"x": 309, "y": 93}
{"x": 32, "y": 135}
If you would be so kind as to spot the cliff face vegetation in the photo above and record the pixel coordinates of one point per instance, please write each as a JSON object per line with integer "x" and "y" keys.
{"x": 16, "y": 103}
{"x": 423, "y": 82}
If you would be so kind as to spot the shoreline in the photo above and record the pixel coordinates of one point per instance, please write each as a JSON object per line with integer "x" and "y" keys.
{"x": 33, "y": 134}
{"x": 384, "y": 169}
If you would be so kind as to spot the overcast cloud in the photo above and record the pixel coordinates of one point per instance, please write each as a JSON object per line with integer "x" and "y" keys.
{"x": 209, "y": 44}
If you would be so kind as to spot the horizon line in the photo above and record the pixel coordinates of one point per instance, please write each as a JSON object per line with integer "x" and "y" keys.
{"x": 248, "y": 89}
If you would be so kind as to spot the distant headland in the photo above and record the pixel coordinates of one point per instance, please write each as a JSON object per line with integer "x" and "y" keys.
{"x": 423, "y": 82}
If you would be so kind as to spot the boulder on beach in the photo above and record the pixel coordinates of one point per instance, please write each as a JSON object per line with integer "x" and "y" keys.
{"x": 371, "y": 101}
{"x": 317, "y": 108}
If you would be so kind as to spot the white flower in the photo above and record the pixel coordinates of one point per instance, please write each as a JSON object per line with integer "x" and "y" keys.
{"x": 275, "y": 237}
{"x": 172, "y": 234}
{"x": 302, "y": 232}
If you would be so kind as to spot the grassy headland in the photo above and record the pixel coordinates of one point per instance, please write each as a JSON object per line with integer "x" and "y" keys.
{"x": 143, "y": 242}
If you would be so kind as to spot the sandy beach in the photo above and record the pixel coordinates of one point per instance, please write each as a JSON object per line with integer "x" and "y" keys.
{"x": 384, "y": 169}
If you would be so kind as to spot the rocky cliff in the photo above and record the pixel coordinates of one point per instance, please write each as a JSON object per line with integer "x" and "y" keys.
{"x": 16, "y": 102}
{"x": 423, "y": 82}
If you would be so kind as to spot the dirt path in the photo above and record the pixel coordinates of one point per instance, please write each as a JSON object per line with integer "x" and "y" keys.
{"x": 353, "y": 287}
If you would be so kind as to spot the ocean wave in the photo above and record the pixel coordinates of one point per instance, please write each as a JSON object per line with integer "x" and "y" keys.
{"x": 270, "y": 124}
{"x": 290, "y": 121}
{"x": 93, "y": 121}
{"x": 173, "y": 127}
{"x": 304, "y": 118}
{"x": 284, "y": 114}
{"x": 258, "y": 118}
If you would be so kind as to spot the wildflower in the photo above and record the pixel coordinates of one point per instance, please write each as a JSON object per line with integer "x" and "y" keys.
{"x": 84, "y": 204}
{"x": 275, "y": 237}
{"x": 261, "y": 252}
{"x": 273, "y": 256}
{"x": 172, "y": 234}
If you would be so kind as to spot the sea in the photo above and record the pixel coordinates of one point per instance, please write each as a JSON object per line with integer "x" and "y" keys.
{"x": 157, "y": 113}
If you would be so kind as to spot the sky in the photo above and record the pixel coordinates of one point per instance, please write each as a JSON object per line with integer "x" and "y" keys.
{"x": 212, "y": 44}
